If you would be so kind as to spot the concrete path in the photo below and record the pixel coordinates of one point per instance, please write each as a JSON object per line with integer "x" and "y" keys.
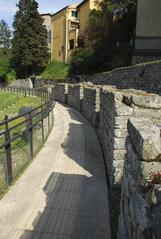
{"x": 63, "y": 194}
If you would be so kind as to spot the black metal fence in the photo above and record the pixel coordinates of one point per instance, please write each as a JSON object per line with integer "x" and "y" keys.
{"x": 22, "y": 136}
{"x": 43, "y": 94}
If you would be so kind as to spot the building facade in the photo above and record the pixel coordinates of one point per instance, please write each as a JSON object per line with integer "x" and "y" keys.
{"x": 65, "y": 33}
{"x": 68, "y": 26}
{"x": 66, "y": 30}
{"x": 84, "y": 9}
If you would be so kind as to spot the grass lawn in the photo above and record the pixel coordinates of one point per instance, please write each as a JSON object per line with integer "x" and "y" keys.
{"x": 10, "y": 105}
{"x": 55, "y": 71}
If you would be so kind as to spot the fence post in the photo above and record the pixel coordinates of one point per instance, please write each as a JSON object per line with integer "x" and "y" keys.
{"x": 9, "y": 174}
{"x": 48, "y": 110}
{"x": 30, "y": 135}
{"x": 42, "y": 123}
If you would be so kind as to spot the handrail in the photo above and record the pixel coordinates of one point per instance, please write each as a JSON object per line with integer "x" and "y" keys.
{"x": 43, "y": 112}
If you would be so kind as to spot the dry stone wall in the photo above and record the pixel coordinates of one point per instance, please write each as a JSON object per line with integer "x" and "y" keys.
{"x": 113, "y": 131}
{"x": 129, "y": 126}
{"x": 91, "y": 104}
{"x": 75, "y": 96}
{"x": 108, "y": 110}
{"x": 140, "y": 208}
{"x": 142, "y": 77}
{"x": 61, "y": 92}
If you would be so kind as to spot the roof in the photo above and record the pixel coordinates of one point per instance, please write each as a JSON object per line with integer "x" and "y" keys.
{"x": 82, "y": 3}
{"x": 60, "y": 10}
{"x": 46, "y": 14}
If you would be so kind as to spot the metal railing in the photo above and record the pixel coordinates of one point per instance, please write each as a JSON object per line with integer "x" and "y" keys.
{"x": 22, "y": 136}
{"x": 43, "y": 94}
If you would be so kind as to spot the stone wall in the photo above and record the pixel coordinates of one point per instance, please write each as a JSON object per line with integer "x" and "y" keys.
{"x": 108, "y": 110}
{"x": 91, "y": 104}
{"x": 75, "y": 96}
{"x": 113, "y": 131}
{"x": 128, "y": 127}
{"x": 22, "y": 83}
{"x": 61, "y": 93}
{"x": 116, "y": 107}
{"x": 140, "y": 207}
{"x": 142, "y": 77}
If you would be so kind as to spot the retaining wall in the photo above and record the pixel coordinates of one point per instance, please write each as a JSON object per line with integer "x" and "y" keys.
{"x": 144, "y": 76}
{"x": 61, "y": 93}
{"x": 91, "y": 104}
{"x": 129, "y": 130}
{"x": 140, "y": 208}
{"x": 75, "y": 96}
{"x": 108, "y": 110}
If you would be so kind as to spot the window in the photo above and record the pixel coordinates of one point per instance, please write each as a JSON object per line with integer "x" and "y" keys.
{"x": 74, "y": 14}
{"x": 71, "y": 44}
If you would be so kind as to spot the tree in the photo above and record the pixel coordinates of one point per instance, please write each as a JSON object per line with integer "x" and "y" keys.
{"x": 110, "y": 35}
{"x": 29, "y": 45}
{"x": 81, "y": 62}
{"x": 5, "y": 35}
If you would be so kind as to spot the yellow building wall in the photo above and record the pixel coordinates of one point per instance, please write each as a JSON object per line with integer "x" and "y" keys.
{"x": 83, "y": 15}
{"x": 62, "y": 34}
{"x": 58, "y": 36}
{"x": 72, "y": 35}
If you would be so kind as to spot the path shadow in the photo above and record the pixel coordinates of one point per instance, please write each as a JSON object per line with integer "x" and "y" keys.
{"x": 74, "y": 201}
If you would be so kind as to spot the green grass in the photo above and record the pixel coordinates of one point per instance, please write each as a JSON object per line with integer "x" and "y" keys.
{"x": 55, "y": 71}
{"x": 7, "y": 99}
{"x": 10, "y": 105}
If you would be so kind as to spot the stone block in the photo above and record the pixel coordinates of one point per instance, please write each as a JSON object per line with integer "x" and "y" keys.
{"x": 147, "y": 101}
{"x": 119, "y": 154}
{"x": 121, "y": 122}
{"x": 121, "y": 133}
{"x": 145, "y": 137}
{"x": 119, "y": 143}
{"x": 148, "y": 171}
{"x": 123, "y": 110}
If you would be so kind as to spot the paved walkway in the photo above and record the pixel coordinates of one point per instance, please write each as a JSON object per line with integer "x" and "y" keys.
{"x": 63, "y": 194}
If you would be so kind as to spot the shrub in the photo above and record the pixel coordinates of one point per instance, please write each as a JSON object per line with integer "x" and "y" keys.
{"x": 4, "y": 66}
{"x": 11, "y": 76}
{"x": 81, "y": 62}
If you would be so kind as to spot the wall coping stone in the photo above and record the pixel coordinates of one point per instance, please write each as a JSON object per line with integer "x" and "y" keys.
{"x": 145, "y": 137}
{"x": 145, "y": 64}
